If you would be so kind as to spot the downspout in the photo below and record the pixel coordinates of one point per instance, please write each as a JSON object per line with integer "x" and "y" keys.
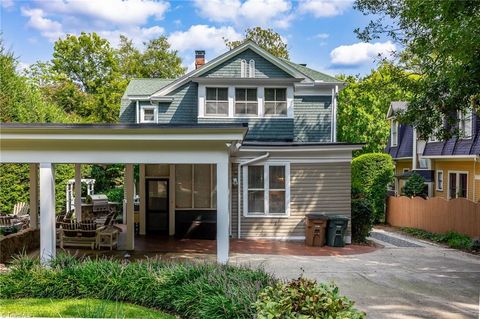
{"x": 240, "y": 165}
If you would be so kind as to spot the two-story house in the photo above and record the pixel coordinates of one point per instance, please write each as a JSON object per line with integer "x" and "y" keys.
{"x": 288, "y": 164}
{"x": 450, "y": 168}
{"x": 244, "y": 145}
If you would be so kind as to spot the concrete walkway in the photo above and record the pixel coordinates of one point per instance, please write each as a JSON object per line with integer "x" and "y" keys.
{"x": 408, "y": 278}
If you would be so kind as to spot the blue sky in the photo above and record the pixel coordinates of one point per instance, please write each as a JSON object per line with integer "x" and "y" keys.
{"x": 318, "y": 32}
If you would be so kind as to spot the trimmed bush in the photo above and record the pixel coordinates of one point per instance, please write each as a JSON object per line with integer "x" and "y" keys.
{"x": 191, "y": 290}
{"x": 362, "y": 220}
{"x": 414, "y": 186}
{"x": 371, "y": 174}
{"x": 304, "y": 298}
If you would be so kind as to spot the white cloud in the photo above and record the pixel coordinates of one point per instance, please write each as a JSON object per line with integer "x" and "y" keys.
{"x": 7, "y": 4}
{"x": 360, "y": 53}
{"x": 247, "y": 13}
{"x": 201, "y": 37}
{"x": 321, "y": 36}
{"x": 120, "y": 12}
{"x": 324, "y": 8}
{"x": 48, "y": 28}
{"x": 136, "y": 34}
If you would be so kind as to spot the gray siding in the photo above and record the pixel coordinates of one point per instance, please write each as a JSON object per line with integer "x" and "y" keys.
{"x": 183, "y": 109}
{"x": 266, "y": 129}
{"x": 231, "y": 67}
{"x": 313, "y": 118}
{"x": 315, "y": 188}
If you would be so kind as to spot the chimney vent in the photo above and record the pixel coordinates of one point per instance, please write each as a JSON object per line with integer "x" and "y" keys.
{"x": 199, "y": 58}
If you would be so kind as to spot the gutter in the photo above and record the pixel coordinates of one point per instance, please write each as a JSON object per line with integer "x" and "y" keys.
{"x": 253, "y": 160}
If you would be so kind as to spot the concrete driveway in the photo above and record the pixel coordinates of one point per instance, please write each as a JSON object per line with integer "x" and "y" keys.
{"x": 405, "y": 279}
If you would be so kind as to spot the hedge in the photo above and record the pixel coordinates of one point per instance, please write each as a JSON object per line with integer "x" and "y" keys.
{"x": 371, "y": 174}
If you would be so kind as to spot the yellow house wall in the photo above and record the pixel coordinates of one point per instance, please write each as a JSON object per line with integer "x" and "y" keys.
{"x": 468, "y": 166}
{"x": 399, "y": 167}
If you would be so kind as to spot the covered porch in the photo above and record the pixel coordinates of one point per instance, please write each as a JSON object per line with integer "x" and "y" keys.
{"x": 201, "y": 146}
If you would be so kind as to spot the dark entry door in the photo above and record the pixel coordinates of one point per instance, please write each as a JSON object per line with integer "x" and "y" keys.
{"x": 157, "y": 206}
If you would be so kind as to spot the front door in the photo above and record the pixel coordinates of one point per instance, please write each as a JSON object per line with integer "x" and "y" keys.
{"x": 157, "y": 206}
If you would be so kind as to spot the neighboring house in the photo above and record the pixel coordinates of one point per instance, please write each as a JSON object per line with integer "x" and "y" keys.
{"x": 450, "y": 168}
{"x": 289, "y": 161}
{"x": 245, "y": 143}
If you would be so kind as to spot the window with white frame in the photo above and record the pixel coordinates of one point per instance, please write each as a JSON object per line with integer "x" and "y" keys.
{"x": 148, "y": 114}
{"x": 251, "y": 68}
{"x": 246, "y": 102}
{"x": 439, "y": 180}
{"x": 275, "y": 101}
{"x": 195, "y": 186}
{"x": 394, "y": 134}
{"x": 457, "y": 184}
{"x": 266, "y": 190}
{"x": 216, "y": 102}
{"x": 243, "y": 68}
{"x": 465, "y": 123}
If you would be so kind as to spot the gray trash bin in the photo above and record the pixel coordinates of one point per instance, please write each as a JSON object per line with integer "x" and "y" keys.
{"x": 337, "y": 225}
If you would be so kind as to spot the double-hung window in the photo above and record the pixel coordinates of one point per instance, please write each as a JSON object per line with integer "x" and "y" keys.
{"x": 394, "y": 134}
{"x": 148, "y": 114}
{"x": 439, "y": 181}
{"x": 216, "y": 102}
{"x": 266, "y": 190}
{"x": 276, "y": 101}
{"x": 246, "y": 102}
{"x": 465, "y": 123}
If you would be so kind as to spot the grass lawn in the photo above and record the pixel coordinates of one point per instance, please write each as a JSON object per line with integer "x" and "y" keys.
{"x": 79, "y": 308}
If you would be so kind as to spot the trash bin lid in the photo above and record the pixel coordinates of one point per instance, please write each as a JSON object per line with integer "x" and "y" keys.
{"x": 317, "y": 216}
{"x": 338, "y": 217}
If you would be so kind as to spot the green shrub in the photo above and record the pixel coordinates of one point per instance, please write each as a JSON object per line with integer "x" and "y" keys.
{"x": 414, "y": 186}
{"x": 303, "y": 298}
{"x": 371, "y": 173}
{"x": 451, "y": 238}
{"x": 362, "y": 219}
{"x": 191, "y": 290}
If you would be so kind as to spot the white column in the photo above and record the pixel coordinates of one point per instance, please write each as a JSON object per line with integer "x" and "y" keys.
{"x": 47, "y": 213}
{"x": 223, "y": 213}
{"x": 171, "y": 206}
{"x": 78, "y": 192}
{"x": 33, "y": 196}
{"x": 129, "y": 186}
{"x": 141, "y": 195}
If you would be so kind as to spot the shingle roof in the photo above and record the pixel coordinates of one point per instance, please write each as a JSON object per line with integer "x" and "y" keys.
{"x": 311, "y": 73}
{"x": 146, "y": 86}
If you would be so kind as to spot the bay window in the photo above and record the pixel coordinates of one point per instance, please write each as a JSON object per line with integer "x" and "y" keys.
{"x": 266, "y": 190}
{"x": 246, "y": 102}
{"x": 216, "y": 101}
{"x": 276, "y": 101}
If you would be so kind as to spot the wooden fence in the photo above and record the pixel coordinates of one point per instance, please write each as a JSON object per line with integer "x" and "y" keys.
{"x": 435, "y": 215}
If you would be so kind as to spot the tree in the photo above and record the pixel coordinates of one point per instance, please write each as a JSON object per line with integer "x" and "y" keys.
{"x": 363, "y": 106}
{"x": 441, "y": 41}
{"x": 267, "y": 39}
{"x": 159, "y": 61}
{"x": 414, "y": 186}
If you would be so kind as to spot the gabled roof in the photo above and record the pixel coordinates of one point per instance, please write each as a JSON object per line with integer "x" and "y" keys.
{"x": 145, "y": 87}
{"x": 313, "y": 74}
{"x": 395, "y": 107}
{"x": 248, "y": 44}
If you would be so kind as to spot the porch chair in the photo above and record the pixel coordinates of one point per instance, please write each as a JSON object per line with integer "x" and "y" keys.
{"x": 84, "y": 234}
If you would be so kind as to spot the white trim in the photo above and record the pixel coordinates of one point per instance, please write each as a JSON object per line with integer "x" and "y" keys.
{"x": 439, "y": 157}
{"x": 47, "y": 213}
{"x": 137, "y": 112}
{"x": 153, "y": 108}
{"x": 334, "y": 114}
{"x": 457, "y": 183}
{"x": 266, "y": 189}
{"x": 243, "y": 68}
{"x": 394, "y": 124}
{"x": 224, "y": 57}
{"x": 437, "y": 184}
{"x": 251, "y": 68}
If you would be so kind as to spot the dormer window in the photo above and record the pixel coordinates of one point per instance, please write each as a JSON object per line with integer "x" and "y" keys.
{"x": 465, "y": 123}
{"x": 217, "y": 101}
{"x": 243, "y": 68}
{"x": 148, "y": 114}
{"x": 246, "y": 102}
{"x": 251, "y": 68}
{"x": 394, "y": 134}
